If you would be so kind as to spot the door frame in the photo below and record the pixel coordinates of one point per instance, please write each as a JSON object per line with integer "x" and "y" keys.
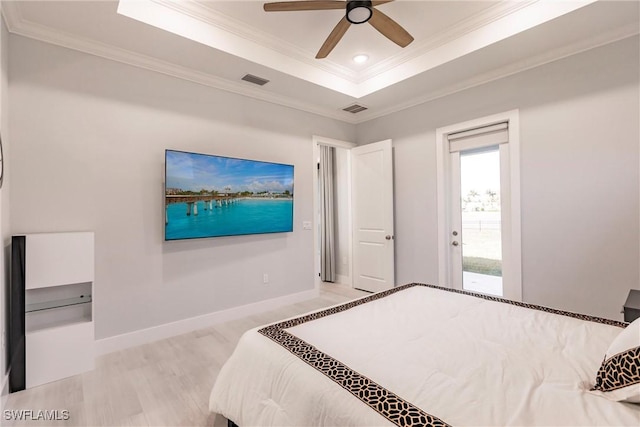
{"x": 513, "y": 274}
{"x": 316, "y": 141}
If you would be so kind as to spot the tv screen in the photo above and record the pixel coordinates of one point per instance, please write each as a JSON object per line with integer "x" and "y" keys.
{"x": 212, "y": 196}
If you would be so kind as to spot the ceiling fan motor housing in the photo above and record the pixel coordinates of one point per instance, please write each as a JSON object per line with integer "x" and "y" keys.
{"x": 359, "y": 12}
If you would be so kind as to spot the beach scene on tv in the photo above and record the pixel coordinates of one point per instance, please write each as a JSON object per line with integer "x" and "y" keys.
{"x": 212, "y": 196}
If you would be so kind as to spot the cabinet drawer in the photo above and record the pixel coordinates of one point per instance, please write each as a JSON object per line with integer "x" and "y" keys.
{"x": 56, "y": 353}
{"x": 54, "y": 259}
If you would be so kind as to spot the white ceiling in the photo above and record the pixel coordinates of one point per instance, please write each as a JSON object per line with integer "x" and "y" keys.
{"x": 306, "y": 31}
{"x": 458, "y": 44}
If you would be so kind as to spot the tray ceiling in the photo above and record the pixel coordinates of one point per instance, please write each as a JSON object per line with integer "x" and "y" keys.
{"x": 458, "y": 44}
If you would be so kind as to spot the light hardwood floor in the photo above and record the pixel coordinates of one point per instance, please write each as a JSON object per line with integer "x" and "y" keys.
{"x": 164, "y": 383}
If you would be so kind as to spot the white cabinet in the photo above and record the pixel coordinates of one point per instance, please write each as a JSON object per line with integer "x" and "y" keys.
{"x": 54, "y": 259}
{"x": 55, "y": 273}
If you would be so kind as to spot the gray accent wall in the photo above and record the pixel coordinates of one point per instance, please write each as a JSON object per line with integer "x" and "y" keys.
{"x": 89, "y": 136}
{"x": 579, "y": 130}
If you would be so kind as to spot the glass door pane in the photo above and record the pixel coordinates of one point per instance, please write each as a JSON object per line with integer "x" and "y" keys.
{"x": 481, "y": 221}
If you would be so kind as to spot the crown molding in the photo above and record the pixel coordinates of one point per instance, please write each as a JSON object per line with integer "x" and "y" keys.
{"x": 159, "y": 15}
{"x": 12, "y": 14}
{"x": 456, "y": 31}
{"x": 508, "y": 25}
{"x": 19, "y": 26}
{"x": 16, "y": 24}
{"x": 584, "y": 45}
{"x": 199, "y": 23}
{"x": 241, "y": 29}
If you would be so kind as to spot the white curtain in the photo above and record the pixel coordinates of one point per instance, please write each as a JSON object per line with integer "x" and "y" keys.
{"x": 327, "y": 228}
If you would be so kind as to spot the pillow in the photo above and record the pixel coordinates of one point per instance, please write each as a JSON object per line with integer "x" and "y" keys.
{"x": 619, "y": 375}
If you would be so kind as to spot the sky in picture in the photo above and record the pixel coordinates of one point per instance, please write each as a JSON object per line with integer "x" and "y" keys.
{"x": 194, "y": 172}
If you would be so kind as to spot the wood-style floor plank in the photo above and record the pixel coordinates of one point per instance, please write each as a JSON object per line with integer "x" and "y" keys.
{"x": 164, "y": 383}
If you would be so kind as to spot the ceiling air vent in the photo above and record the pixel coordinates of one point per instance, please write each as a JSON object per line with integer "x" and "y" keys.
{"x": 255, "y": 79}
{"x": 355, "y": 108}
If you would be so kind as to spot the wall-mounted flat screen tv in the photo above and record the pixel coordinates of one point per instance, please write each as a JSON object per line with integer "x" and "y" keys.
{"x": 212, "y": 196}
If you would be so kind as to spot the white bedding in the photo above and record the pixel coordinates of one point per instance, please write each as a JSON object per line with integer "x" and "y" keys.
{"x": 463, "y": 359}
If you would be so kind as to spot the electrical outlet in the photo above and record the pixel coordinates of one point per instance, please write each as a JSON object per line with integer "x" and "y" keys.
{"x": 265, "y": 278}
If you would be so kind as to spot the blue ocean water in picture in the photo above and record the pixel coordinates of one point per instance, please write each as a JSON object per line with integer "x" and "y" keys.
{"x": 243, "y": 216}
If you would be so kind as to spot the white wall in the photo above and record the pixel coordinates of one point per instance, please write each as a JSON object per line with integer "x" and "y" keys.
{"x": 88, "y": 148}
{"x": 579, "y": 171}
{"x": 87, "y": 143}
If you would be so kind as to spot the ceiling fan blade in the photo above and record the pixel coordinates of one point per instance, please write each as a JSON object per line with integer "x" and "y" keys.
{"x": 288, "y": 6}
{"x": 379, "y": 2}
{"x": 333, "y": 38}
{"x": 390, "y": 28}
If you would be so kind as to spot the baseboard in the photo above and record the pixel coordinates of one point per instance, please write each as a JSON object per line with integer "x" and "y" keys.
{"x": 143, "y": 336}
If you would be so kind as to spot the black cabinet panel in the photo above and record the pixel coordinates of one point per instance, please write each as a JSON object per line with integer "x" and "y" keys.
{"x": 632, "y": 306}
{"x": 16, "y": 344}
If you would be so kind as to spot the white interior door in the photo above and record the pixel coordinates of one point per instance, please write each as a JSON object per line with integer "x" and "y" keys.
{"x": 372, "y": 198}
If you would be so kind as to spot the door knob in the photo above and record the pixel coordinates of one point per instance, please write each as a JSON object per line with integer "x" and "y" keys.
{"x": 455, "y": 243}
{"x": 388, "y": 237}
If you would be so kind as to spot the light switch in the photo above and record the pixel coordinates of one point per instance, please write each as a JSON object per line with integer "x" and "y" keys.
{"x": 306, "y": 225}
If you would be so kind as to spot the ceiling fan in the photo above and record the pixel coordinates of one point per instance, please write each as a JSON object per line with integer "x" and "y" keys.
{"x": 356, "y": 12}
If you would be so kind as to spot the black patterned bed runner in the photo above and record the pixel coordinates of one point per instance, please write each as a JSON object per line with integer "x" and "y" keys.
{"x": 381, "y": 400}
{"x": 378, "y": 398}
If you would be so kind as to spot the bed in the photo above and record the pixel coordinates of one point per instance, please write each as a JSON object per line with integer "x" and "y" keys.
{"x": 425, "y": 355}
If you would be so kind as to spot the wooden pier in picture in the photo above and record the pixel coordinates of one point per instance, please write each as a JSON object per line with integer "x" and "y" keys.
{"x": 191, "y": 201}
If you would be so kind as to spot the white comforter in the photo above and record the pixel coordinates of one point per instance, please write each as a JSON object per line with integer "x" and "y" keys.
{"x": 463, "y": 359}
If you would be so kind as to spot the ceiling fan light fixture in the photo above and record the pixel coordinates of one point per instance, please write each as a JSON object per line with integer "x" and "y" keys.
{"x": 359, "y": 12}
{"x": 360, "y": 58}
{"x": 356, "y": 12}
